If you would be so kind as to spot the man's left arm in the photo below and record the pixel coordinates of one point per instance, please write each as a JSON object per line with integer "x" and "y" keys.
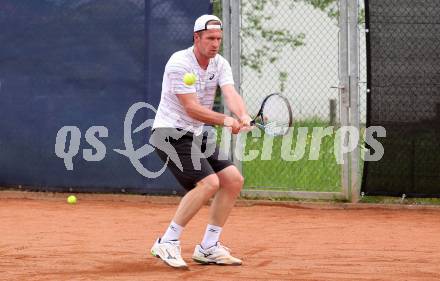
{"x": 235, "y": 104}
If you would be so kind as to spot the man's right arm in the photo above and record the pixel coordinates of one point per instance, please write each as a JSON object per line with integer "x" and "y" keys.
{"x": 196, "y": 111}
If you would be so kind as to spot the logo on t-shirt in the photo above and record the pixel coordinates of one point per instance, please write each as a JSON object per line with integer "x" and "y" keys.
{"x": 212, "y": 76}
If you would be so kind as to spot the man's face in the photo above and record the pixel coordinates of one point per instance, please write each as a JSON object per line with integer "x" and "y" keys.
{"x": 208, "y": 42}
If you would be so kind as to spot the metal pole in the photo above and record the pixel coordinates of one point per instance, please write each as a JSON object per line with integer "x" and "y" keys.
{"x": 227, "y": 54}
{"x": 231, "y": 51}
{"x": 226, "y": 14}
{"x": 343, "y": 89}
{"x": 354, "y": 93}
{"x": 235, "y": 60}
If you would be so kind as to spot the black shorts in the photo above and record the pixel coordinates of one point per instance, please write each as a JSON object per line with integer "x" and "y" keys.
{"x": 190, "y": 157}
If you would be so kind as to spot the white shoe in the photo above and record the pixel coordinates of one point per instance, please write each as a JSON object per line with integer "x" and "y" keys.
{"x": 217, "y": 254}
{"x": 169, "y": 252}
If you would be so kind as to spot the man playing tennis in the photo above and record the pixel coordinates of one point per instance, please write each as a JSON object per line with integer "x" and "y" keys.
{"x": 182, "y": 112}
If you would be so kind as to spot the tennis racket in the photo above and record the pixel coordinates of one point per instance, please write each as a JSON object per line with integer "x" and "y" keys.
{"x": 274, "y": 116}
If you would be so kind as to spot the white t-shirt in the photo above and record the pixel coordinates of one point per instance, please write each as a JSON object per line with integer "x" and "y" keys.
{"x": 171, "y": 113}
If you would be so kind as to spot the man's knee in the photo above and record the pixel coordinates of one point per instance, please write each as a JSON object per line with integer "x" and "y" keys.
{"x": 239, "y": 181}
{"x": 232, "y": 179}
{"x": 210, "y": 184}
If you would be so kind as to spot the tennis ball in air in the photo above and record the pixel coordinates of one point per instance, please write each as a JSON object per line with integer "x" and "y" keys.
{"x": 189, "y": 79}
{"x": 71, "y": 199}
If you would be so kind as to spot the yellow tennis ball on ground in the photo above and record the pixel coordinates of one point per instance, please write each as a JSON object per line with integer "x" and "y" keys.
{"x": 71, "y": 199}
{"x": 189, "y": 79}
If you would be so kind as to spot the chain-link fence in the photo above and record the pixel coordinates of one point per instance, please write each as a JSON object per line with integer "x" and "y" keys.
{"x": 292, "y": 47}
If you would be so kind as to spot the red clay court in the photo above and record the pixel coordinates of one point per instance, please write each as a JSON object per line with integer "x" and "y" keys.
{"x": 109, "y": 237}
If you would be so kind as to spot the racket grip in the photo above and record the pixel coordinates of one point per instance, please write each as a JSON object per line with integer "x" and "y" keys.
{"x": 259, "y": 126}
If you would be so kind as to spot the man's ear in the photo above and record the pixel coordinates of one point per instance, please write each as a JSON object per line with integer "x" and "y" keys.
{"x": 195, "y": 35}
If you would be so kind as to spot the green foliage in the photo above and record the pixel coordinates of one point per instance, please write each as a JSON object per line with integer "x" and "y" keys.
{"x": 217, "y": 8}
{"x": 361, "y": 19}
{"x": 269, "y": 42}
{"x": 283, "y": 79}
{"x": 327, "y": 6}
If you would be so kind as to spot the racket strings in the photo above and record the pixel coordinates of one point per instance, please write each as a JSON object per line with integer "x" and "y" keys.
{"x": 275, "y": 128}
{"x": 276, "y": 116}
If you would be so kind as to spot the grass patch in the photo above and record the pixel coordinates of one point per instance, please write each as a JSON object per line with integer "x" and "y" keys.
{"x": 301, "y": 172}
{"x": 399, "y": 200}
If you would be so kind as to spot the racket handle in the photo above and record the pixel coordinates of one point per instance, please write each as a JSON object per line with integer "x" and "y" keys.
{"x": 259, "y": 126}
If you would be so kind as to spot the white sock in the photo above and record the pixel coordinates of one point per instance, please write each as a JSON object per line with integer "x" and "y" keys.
{"x": 212, "y": 235}
{"x": 173, "y": 232}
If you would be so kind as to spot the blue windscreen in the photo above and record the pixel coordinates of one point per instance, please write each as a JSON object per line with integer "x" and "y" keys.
{"x": 74, "y": 69}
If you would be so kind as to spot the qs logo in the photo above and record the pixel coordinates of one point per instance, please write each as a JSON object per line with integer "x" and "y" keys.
{"x": 68, "y": 151}
{"x": 136, "y": 155}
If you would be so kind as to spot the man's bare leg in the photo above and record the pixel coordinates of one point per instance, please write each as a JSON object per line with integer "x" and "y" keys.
{"x": 231, "y": 183}
{"x": 195, "y": 199}
{"x": 168, "y": 246}
{"x": 210, "y": 251}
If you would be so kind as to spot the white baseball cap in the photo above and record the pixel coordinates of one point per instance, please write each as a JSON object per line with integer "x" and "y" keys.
{"x": 202, "y": 23}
